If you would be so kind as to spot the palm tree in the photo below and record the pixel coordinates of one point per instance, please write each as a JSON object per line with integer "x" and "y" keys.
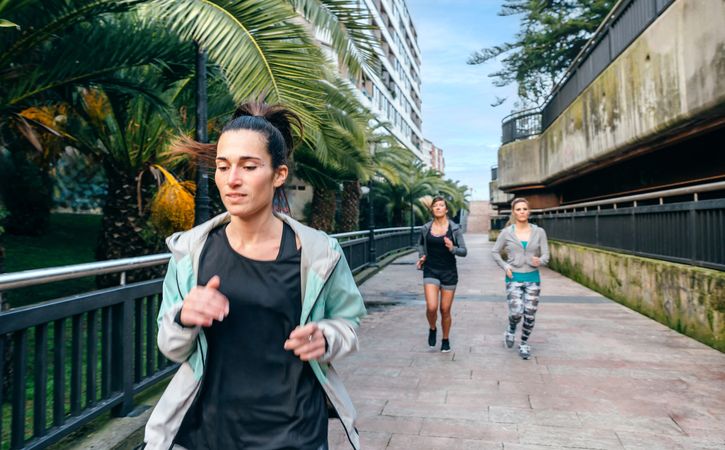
{"x": 56, "y": 47}
{"x": 127, "y": 134}
{"x": 265, "y": 51}
{"x": 260, "y": 47}
{"x": 337, "y": 154}
{"x": 417, "y": 182}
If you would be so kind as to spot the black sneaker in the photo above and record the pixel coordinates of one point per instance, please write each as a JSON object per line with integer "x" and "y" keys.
{"x": 432, "y": 338}
{"x": 445, "y": 346}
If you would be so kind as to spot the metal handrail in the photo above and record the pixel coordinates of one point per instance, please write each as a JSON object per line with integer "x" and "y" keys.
{"x": 26, "y": 278}
{"x": 586, "y": 51}
{"x": 16, "y": 280}
{"x": 709, "y": 187}
{"x": 522, "y": 113}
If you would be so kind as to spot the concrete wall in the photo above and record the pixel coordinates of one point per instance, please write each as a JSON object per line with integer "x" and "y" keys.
{"x": 497, "y": 195}
{"x": 670, "y": 76}
{"x": 519, "y": 163}
{"x": 479, "y": 217}
{"x": 688, "y": 299}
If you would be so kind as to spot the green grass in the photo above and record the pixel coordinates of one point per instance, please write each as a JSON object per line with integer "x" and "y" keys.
{"x": 71, "y": 239}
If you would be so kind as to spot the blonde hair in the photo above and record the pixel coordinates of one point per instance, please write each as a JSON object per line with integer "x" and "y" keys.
{"x": 514, "y": 202}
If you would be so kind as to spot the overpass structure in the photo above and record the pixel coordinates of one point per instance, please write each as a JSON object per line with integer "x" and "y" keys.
{"x": 625, "y": 163}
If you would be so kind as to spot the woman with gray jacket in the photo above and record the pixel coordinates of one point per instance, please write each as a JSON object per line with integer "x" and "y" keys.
{"x": 526, "y": 248}
{"x": 441, "y": 240}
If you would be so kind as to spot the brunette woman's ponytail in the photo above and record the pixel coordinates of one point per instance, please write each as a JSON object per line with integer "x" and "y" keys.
{"x": 275, "y": 122}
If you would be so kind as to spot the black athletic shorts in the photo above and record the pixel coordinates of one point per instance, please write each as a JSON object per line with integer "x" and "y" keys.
{"x": 446, "y": 279}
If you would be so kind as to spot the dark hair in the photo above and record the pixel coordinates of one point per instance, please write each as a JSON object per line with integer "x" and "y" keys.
{"x": 438, "y": 198}
{"x": 274, "y": 122}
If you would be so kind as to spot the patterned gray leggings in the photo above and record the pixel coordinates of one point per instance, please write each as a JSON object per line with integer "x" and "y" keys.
{"x": 523, "y": 300}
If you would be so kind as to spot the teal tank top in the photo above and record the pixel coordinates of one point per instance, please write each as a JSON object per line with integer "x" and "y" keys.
{"x": 525, "y": 277}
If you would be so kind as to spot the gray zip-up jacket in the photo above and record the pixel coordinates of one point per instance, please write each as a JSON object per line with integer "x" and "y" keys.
{"x": 330, "y": 298}
{"x": 459, "y": 245}
{"x": 518, "y": 258}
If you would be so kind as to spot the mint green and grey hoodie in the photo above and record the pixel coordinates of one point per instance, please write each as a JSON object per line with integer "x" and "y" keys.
{"x": 330, "y": 298}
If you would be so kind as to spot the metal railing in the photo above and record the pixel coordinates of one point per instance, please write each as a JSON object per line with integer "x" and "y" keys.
{"x": 521, "y": 125}
{"x": 67, "y": 361}
{"x": 689, "y": 231}
{"x": 625, "y": 22}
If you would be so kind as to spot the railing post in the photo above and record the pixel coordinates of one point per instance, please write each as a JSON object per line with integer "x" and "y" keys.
{"x": 633, "y": 225}
{"x": 412, "y": 220}
{"x": 693, "y": 233}
{"x": 121, "y": 356}
{"x": 202, "y": 209}
{"x": 372, "y": 259}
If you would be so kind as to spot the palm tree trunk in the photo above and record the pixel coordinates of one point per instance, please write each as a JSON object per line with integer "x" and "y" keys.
{"x": 398, "y": 216}
{"x": 123, "y": 228}
{"x": 323, "y": 209}
{"x": 350, "y": 220}
{"x": 27, "y": 192}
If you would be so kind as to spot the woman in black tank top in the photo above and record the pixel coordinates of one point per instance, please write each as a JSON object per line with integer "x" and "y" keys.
{"x": 438, "y": 247}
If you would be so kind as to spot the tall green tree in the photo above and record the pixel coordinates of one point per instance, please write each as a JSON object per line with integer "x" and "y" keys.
{"x": 416, "y": 183}
{"x": 551, "y": 35}
{"x": 336, "y": 155}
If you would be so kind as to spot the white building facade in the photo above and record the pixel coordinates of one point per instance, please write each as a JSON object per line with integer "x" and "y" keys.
{"x": 433, "y": 157}
{"x": 395, "y": 94}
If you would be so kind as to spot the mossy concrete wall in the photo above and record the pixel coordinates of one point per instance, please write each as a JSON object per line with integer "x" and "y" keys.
{"x": 671, "y": 76}
{"x": 688, "y": 299}
{"x": 519, "y": 163}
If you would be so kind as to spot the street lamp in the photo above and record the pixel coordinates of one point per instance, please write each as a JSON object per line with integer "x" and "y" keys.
{"x": 201, "y": 200}
{"x": 368, "y": 190}
{"x": 412, "y": 220}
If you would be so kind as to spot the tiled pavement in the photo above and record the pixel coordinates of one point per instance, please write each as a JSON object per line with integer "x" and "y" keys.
{"x": 601, "y": 375}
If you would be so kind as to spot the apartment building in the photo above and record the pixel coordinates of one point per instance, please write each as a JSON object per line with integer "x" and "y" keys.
{"x": 394, "y": 94}
{"x": 433, "y": 156}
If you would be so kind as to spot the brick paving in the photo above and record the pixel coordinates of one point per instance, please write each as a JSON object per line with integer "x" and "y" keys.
{"x": 601, "y": 376}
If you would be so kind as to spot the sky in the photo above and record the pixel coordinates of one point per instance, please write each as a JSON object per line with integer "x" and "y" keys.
{"x": 457, "y": 112}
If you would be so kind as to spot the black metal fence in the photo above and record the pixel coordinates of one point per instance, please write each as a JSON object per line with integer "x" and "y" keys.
{"x": 66, "y": 362}
{"x": 688, "y": 232}
{"x": 521, "y": 125}
{"x": 93, "y": 352}
{"x": 628, "y": 20}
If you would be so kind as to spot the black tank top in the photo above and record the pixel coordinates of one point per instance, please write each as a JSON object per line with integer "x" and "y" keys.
{"x": 438, "y": 256}
{"x": 255, "y": 394}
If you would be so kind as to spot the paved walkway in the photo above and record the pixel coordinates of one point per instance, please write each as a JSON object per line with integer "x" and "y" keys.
{"x": 601, "y": 376}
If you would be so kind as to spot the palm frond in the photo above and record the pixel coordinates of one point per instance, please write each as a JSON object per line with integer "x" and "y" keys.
{"x": 40, "y": 21}
{"x": 88, "y": 55}
{"x": 348, "y": 26}
{"x": 259, "y": 47}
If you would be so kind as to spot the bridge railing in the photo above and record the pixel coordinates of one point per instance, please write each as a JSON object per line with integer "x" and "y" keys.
{"x": 688, "y": 231}
{"x": 65, "y": 362}
{"x": 521, "y": 125}
{"x": 625, "y": 22}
